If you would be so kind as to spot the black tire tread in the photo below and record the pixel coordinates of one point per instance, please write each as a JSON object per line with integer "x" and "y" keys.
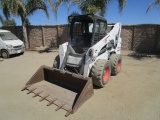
{"x": 7, "y": 54}
{"x": 114, "y": 61}
{"x": 97, "y": 72}
{"x": 56, "y": 62}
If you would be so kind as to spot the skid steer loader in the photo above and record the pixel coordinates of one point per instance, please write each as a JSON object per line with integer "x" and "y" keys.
{"x": 89, "y": 58}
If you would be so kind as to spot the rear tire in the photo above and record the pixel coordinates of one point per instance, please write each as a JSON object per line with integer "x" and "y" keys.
{"x": 21, "y": 53}
{"x": 101, "y": 72}
{"x": 56, "y": 62}
{"x": 116, "y": 62}
{"x": 5, "y": 54}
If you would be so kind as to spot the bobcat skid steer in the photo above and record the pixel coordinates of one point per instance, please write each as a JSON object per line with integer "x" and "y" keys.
{"x": 89, "y": 58}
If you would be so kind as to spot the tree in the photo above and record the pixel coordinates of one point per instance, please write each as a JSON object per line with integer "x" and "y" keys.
{"x": 23, "y": 8}
{"x": 55, "y": 4}
{"x": 28, "y": 22}
{"x": 155, "y": 3}
{"x": 95, "y": 6}
{"x": 9, "y": 22}
{"x": 1, "y": 19}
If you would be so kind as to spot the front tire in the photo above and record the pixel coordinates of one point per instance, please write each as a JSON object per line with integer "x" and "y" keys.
{"x": 101, "y": 72}
{"x": 21, "y": 53}
{"x": 56, "y": 62}
{"x": 5, "y": 54}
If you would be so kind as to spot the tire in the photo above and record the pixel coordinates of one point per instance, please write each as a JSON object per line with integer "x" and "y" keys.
{"x": 21, "y": 53}
{"x": 56, "y": 62}
{"x": 101, "y": 72}
{"x": 5, "y": 54}
{"x": 116, "y": 62}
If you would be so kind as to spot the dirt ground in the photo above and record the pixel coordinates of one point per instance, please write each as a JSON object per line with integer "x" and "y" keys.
{"x": 132, "y": 95}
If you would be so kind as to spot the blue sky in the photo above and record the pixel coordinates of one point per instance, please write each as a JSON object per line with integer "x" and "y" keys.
{"x": 133, "y": 13}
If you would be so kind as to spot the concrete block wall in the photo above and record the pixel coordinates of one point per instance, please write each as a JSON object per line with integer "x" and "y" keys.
{"x": 140, "y": 38}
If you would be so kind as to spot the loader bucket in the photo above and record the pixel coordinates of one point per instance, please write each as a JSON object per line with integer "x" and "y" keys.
{"x": 66, "y": 90}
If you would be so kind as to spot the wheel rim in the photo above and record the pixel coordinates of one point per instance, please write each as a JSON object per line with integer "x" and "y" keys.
{"x": 4, "y": 55}
{"x": 119, "y": 65}
{"x": 106, "y": 74}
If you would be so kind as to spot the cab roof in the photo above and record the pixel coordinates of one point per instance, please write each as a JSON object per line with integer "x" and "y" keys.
{"x": 88, "y": 17}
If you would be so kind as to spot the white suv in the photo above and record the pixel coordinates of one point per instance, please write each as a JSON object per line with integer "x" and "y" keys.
{"x": 10, "y": 44}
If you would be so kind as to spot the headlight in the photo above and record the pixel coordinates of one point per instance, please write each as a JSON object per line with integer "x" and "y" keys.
{"x": 9, "y": 46}
{"x": 23, "y": 45}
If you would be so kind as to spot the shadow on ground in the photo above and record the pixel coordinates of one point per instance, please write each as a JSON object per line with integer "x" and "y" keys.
{"x": 139, "y": 56}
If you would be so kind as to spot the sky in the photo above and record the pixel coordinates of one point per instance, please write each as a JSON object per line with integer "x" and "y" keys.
{"x": 133, "y": 13}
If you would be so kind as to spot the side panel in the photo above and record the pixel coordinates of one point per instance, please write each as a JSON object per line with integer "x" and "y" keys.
{"x": 114, "y": 35}
{"x": 62, "y": 52}
{"x": 2, "y": 45}
{"x": 118, "y": 48}
{"x": 74, "y": 60}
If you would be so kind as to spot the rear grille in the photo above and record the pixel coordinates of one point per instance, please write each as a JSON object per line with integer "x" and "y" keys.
{"x": 19, "y": 46}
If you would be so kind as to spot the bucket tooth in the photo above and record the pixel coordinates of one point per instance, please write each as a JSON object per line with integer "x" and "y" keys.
{"x": 25, "y": 88}
{"x": 31, "y": 90}
{"x": 51, "y": 102}
{"x": 43, "y": 98}
{"x": 36, "y": 94}
{"x": 68, "y": 113}
{"x": 60, "y": 106}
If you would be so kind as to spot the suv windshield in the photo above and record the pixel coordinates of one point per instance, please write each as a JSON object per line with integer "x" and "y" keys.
{"x": 7, "y": 36}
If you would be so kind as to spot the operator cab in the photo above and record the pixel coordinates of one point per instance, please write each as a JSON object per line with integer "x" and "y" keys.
{"x": 85, "y": 31}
